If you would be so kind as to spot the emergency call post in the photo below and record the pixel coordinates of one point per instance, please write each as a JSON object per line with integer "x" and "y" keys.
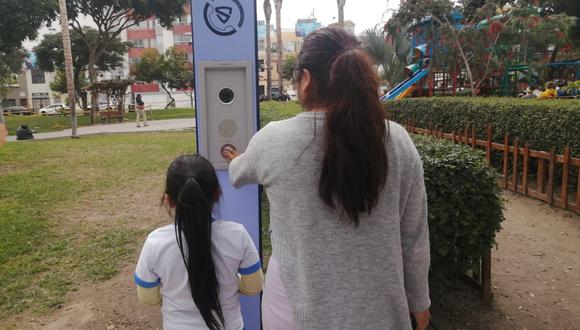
{"x": 225, "y": 64}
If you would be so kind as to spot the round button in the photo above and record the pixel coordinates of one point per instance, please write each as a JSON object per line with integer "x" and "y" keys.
{"x": 226, "y": 96}
{"x": 227, "y": 147}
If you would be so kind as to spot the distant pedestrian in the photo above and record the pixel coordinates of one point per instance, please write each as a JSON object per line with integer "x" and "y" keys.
{"x": 3, "y": 131}
{"x": 140, "y": 111}
{"x": 24, "y": 133}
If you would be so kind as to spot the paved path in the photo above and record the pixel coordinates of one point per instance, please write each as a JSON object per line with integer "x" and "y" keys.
{"x": 127, "y": 127}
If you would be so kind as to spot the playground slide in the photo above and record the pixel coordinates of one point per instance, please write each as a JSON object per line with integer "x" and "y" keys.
{"x": 403, "y": 89}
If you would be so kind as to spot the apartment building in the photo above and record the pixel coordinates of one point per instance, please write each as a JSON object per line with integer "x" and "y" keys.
{"x": 150, "y": 34}
{"x": 31, "y": 89}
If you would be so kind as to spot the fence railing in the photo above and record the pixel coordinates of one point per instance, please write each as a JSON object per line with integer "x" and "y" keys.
{"x": 514, "y": 157}
{"x": 518, "y": 175}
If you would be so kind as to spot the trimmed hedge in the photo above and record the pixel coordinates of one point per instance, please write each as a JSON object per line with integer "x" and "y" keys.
{"x": 465, "y": 205}
{"x": 541, "y": 124}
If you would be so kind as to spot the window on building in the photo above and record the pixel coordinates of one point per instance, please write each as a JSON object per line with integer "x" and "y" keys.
{"x": 138, "y": 43}
{"x": 179, "y": 39}
{"x": 37, "y": 76}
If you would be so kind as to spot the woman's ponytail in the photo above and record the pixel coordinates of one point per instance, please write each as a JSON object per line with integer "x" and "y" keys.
{"x": 354, "y": 169}
{"x": 193, "y": 187}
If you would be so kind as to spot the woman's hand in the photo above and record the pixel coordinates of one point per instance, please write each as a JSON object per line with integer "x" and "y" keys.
{"x": 422, "y": 319}
{"x": 230, "y": 153}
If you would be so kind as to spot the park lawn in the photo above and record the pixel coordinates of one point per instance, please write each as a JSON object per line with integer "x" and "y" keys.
{"x": 44, "y": 124}
{"x": 43, "y": 257}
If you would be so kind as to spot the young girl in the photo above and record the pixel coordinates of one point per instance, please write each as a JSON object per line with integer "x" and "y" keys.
{"x": 191, "y": 267}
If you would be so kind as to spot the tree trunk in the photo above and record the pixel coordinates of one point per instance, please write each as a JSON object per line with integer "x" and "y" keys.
{"x": 553, "y": 57}
{"x": 172, "y": 102}
{"x": 268, "y": 13}
{"x": 341, "y": 4}
{"x": 93, "y": 79}
{"x": 278, "y": 5}
{"x": 70, "y": 82}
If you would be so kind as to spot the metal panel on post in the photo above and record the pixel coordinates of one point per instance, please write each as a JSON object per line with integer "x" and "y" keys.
{"x": 225, "y": 56}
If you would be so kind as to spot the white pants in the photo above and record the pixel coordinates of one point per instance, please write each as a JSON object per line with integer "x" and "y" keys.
{"x": 141, "y": 116}
{"x": 276, "y": 310}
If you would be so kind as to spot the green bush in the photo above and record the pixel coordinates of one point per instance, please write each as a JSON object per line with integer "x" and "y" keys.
{"x": 465, "y": 207}
{"x": 540, "y": 124}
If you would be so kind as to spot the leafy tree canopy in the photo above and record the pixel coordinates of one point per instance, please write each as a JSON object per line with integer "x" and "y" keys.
{"x": 21, "y": 19}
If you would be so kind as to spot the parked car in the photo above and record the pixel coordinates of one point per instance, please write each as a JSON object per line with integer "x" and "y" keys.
{"x": 55, "y": 109}
{"x": 17, "y": 110}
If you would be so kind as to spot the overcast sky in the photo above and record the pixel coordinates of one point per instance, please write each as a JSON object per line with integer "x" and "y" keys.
{"x": 364, "y": 13}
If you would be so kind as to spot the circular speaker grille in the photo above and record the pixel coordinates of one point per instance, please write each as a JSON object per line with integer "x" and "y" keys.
{"x": 226, "y": 96}
{"x": 228, "y": 128}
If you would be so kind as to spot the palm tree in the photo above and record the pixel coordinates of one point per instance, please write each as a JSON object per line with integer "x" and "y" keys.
{"x": 341, "y": 4}
{"x": 384, "y": 55}
{"x": 268, "y": 13}
{"x": 68, "y": 60}
{"x": 278, "y": 5}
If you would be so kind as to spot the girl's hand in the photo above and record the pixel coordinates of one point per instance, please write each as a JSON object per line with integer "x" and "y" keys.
{"x": 229, "y": 153}
{"x": 422, "y": 319}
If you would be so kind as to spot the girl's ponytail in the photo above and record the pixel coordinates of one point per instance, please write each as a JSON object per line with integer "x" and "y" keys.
{"x": 194, "y": 188}
{"x": 354, "y": 169}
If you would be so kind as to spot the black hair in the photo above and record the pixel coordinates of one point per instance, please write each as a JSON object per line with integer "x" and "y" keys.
{"x": 193, "y": 187}
{"x": 344, "y": 82}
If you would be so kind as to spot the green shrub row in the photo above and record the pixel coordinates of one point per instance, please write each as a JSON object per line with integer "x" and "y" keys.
{"x": 465, "y": 205}
{"x": 540, "y": 124}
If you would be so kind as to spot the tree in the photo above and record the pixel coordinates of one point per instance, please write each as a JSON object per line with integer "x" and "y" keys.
{"x": 289, "y": 66}
{"x": 68, "y": 65}
{"x": 111, "y": 19}
{"x": 384, "y": 55}
{"x": 178, "y": 72}
{"x": 482, "y": 43}
{"x": 170, "y": 70}
{"x": 10, "y": 65}
{"x": 268, "y": 13}
{"x": 341, "y": 4}
{"x": 50, "y": 54}
{"x": 21, "y": 20}
{"x": 279, "y": 46}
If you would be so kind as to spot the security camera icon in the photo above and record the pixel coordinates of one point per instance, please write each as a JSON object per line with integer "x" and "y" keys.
{"x": 223, "y": 17}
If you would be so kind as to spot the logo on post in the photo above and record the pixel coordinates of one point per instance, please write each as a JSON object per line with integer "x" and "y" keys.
{"x": 223, "y": 17}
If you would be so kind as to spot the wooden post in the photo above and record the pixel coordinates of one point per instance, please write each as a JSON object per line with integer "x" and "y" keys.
{"x": 525, "y": 174}
{"x": 466, "y": 137}
{"x": 430, "y": 128}
{"x": 488, "y": 145}
{"x": 453, "y": 136}
{"x": 486, "y": 277}
{"x": 541, "y": 176}
{"x": 578, "y": 192}
{"x": 506, "y": 156}
{"x": 473, "y": 137}
{"x": 515, "y": 166}
{"x": 565, "y": 165}
{"x": 551, "y": 176}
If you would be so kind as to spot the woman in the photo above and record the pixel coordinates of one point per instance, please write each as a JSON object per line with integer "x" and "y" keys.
{"x": 348, "y": 207}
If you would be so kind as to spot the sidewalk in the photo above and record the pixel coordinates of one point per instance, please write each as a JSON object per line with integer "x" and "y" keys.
{"x": 127, "y": 127}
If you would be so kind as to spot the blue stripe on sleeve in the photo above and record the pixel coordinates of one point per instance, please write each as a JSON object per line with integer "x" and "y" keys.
{"x": 144, "y": 284}
{"x": 250, "y": 270}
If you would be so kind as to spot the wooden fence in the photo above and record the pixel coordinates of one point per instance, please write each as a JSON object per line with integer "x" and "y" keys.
{"x": 514, "y": 157}
{"x": 516, "y": 163}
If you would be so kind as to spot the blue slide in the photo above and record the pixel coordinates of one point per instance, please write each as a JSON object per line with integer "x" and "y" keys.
{"x": 400, "y": 90}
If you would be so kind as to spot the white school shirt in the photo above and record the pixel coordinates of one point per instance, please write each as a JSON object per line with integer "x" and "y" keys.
{"x": 161, "y": 264}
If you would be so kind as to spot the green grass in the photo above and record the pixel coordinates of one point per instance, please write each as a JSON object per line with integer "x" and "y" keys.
{"x": 44, "y": 124}
{"x": 42, "y": 256}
